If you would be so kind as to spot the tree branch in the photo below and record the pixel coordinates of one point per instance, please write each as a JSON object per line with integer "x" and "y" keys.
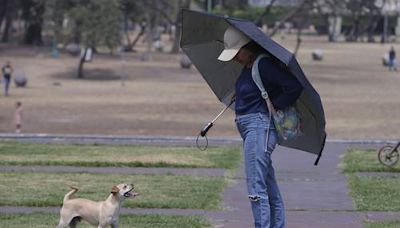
{"x": 266, "y": 11}
{"x": 289, "y": 16}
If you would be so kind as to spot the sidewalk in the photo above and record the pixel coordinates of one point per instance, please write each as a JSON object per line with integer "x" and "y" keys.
{"x": 315, "y": 196}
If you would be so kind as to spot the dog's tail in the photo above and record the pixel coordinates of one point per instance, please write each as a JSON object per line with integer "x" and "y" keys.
{"x": 70, "y": 193}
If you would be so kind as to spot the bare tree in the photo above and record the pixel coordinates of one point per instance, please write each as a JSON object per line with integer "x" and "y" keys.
{"x": 150, "y": 14}
{"x": 295, "y": 11}
{"x": 267, "y": 10}
{"x": 330, "y": 11}
{"x": 362, "y": 13}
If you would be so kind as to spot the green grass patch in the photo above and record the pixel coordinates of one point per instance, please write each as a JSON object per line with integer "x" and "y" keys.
{"x": 385, "y": 224}
{"x": 17, "y": 153}
{"x": 156, "y": 191}
{"x": 375, "y": 193}
{"x": 364, "y": 161}
{"x": 39, "y": 220}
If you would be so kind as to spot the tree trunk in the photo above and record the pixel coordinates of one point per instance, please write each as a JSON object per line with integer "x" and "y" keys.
{"x": 185, "y": 5}
{"x": 3, "y": 7}
{"x": 81, "y": 63}
{"x": 298, "y": 43}
{"x": 33, "y": 35}
{"x": 6, "y": 33}
{"x": 267, "y": 9}
{"x": 289, "y": 16}
{"x": 34, "y": 19}
{"x": 331, "y": 33}
{"x": 130, "y": 45}
{"x": 175, "y": 48}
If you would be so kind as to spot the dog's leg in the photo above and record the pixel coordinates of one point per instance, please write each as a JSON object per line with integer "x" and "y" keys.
{"x": 114, "y": 225}
{"x": 61, "y": 224}
{"x": 65, "y": 218}
{"x": 74, "y": 222}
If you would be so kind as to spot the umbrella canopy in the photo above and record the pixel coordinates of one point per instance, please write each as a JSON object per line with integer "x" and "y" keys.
{"x": 202, "y": 41}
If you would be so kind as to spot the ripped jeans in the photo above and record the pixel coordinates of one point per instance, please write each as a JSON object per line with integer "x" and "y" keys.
{"x": 259, "y": 140}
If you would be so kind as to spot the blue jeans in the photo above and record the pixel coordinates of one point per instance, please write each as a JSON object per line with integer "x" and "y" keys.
{"x": 259, "y": 140}
{"x": 6, "y": 85}
{"x": 392, "y": 64}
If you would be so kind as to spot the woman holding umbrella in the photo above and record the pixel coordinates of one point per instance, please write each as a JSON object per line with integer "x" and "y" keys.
{"x": 255, "y": 125}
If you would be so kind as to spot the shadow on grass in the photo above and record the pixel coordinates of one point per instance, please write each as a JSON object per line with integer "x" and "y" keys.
{"x": 90, "y": 74}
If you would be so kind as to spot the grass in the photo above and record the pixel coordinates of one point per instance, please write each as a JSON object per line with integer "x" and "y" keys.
{"x": 371, "y": 193}
{"x": 16, "y": 153}
{"x": 39, "y": 220}
{"x": 375, "y": 193}
{"x": 156, "y": 191}
{"x": 364, "y": 161}
{"x": 386, "y": 224}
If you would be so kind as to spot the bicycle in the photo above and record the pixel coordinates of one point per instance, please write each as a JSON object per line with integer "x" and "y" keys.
{"x": 389, "y": 155}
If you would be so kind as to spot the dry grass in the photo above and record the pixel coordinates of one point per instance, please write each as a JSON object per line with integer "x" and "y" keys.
{"x": 360, "y": 96}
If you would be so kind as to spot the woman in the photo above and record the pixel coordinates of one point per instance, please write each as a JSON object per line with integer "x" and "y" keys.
{"x": 255, "y": 125}
{"x": 7, "y": 71}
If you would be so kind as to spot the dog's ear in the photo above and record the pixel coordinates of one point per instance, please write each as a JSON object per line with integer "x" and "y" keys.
{"x": 114, "y": 189}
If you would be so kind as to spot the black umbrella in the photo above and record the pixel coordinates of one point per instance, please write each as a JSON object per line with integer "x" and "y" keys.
{"x": 202, "y": 36}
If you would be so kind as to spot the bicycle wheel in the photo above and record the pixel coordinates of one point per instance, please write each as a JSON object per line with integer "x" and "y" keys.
{"x": 387, "y": 156}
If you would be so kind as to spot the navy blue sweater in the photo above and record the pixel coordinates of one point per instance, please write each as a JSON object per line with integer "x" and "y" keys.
{"x": 283, "y": 89}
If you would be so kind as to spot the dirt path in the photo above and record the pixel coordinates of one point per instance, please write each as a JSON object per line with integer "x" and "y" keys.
{"x": 360, "y": 96}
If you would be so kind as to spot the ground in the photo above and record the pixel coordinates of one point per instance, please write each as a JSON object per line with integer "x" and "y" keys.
{"x": 157, "y": 97}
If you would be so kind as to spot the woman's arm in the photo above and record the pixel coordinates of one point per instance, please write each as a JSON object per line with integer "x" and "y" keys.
{"x": 274, "y": 76}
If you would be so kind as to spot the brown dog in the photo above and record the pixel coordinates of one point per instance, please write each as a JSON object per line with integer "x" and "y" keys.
{"x": 98, "y": 214}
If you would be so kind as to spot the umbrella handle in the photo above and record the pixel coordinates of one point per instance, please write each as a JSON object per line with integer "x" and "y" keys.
{"x": 206, "y": 128}
{"x": 203, "y": 132}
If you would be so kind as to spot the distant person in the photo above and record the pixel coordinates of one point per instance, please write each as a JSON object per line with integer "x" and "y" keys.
{"x": 18, "y": 117}
{"x": 7, "y": 71}
{"x": 392, "y": 59}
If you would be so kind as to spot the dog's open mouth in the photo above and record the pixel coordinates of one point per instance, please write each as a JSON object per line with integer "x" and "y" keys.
{"x": 130, "y": 193}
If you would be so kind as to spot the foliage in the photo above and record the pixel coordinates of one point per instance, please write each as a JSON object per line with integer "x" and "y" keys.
{"x": 96, "y": 22}
{"x": 252, "y": 13}
{"x": 100, "y": 22}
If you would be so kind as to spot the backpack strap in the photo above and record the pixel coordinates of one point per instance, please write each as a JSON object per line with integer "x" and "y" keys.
{"x": 255, "y": 74}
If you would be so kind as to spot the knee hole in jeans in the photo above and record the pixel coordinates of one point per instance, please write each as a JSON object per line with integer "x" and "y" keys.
{"x": 254, "y": 198}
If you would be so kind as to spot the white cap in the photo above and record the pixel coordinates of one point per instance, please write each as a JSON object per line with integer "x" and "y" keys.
{"x": 233, "y": 41}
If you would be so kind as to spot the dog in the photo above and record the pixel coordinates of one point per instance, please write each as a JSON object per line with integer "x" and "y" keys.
{"x": 100, "y": 214}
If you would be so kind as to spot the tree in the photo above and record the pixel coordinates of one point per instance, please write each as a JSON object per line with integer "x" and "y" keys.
{"x": 3, "y": 9}
{"x": 32, "y": 13}
{"x": 8, "y": 13}
{"x": 267, "y": 10}
{"x": 330, "y": 11}
{"x": 55, "y": 14}
{"x": 95, "y": 22}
